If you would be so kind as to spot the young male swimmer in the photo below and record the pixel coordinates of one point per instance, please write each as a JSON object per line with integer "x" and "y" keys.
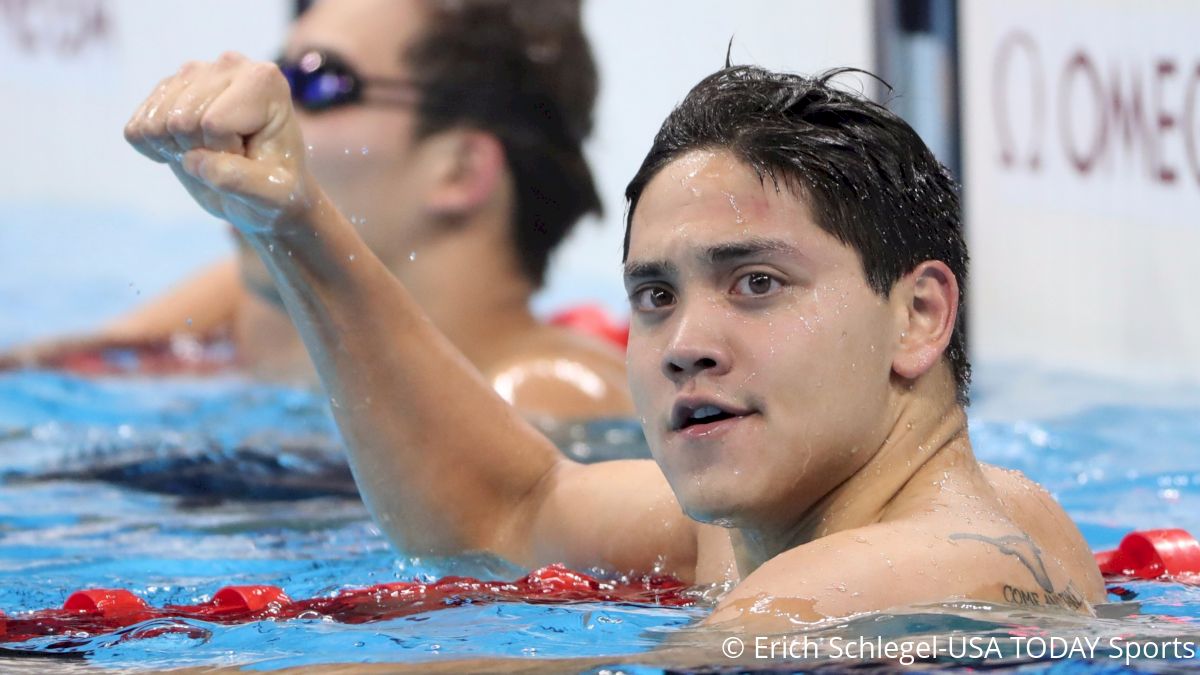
{"x": 795, "y": 264}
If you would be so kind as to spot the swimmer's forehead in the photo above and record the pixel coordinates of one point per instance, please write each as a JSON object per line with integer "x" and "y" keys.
{"x": 711, "y": 209}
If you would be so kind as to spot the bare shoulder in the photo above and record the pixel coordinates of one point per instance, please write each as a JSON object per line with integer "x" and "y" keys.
{"x": 562, "y": 374}
{"x": 1034, "y": 511}
{"x": 919, "y": 560}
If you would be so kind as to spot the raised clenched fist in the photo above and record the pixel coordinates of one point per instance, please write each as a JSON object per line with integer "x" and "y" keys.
{"x": 228, "y": 131}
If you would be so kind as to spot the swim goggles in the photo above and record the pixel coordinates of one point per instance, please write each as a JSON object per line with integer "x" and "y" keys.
{"x": 321, "y": 80}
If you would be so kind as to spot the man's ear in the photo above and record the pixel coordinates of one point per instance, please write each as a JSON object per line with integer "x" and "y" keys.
{"x": 469, "y": 168}
{"x": 926, "y": 300}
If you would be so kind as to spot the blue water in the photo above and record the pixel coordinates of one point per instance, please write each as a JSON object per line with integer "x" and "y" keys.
{"x": 175, "y": 487}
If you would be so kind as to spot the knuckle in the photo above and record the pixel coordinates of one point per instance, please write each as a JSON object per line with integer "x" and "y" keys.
{"x": 153, "y": 126}
{"x": 132, "y": 131}
{"x": 179, "y": 122}
{"x": 211, "y": 124}
{"x": 263, "y": 72}
{"x": 228, "y": 58}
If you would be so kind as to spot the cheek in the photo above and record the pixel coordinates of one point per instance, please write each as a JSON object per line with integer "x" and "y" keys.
{"x": 826, "y": 362}
{"x": 349, "y": 145}
{"x": 643, "y": 372}
{"x": 852, "y": 380}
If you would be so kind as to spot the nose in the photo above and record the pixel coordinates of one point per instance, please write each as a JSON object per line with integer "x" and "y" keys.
{"x": 695, "y": 347}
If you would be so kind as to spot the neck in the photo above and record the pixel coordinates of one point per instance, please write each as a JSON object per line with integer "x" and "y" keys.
{"x": 468, "y": 282}
{"x": 465, "y": 277}
{"x": 928, "y": 436}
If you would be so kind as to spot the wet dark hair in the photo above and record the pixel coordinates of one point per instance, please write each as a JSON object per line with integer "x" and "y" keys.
{"x": 523, "y": 71}
{"x": 868, "y": 178}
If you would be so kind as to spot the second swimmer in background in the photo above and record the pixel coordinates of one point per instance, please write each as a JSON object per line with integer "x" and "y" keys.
{"x": 451, "y": 134}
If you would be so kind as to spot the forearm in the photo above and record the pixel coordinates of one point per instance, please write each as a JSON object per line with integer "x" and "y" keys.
{"x": 442, "y": 462}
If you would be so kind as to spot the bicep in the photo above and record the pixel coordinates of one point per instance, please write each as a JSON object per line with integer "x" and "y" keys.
{"x": 620, "y": 515}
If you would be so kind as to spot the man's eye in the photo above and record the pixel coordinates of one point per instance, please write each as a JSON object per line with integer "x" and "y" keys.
{"x": 756, "y": 283}
{"x": 654, "y": 297}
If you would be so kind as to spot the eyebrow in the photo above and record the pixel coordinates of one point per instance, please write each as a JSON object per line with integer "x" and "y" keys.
{"x": 717, "y": 254}
{"x": 651, "y": 269}
{"x": 745, "y": 248}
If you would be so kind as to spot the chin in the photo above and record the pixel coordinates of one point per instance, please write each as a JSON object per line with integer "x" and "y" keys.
{"x": 718, "y": 519}
{"x": 713, "y": 506}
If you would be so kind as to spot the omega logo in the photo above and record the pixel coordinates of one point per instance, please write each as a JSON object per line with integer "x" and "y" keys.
{"x": 63, "y": 28}
{"x": 1098, "y": 112}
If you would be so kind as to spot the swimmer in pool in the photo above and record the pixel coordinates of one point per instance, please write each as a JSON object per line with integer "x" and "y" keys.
{"x": 452, "y": 140}
{"x": 796, "y": 269}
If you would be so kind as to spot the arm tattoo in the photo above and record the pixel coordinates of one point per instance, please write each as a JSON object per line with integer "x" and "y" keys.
{"x": 1020, "y": 546}
{"x": 1023, "y": 549}
{"x": 1025, "y": 597}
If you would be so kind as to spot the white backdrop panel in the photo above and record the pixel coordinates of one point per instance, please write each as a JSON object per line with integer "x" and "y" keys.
{"x": 1082, "y": 141}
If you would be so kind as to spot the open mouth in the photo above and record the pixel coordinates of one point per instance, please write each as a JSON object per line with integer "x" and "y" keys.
{"x": 706, "y": 415}
{"x": 700, "y": 417}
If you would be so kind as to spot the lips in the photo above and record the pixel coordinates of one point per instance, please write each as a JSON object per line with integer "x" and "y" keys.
{"x": 696, "y": 416}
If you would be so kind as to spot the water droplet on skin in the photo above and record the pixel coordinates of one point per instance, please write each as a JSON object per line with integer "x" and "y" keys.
{"x": 365, "y": 150}
{"x": 737, "y": 211}
{"x": 412, "y": 255}
{"x": 189, "y": 321}
{"x": 350, "y": 257}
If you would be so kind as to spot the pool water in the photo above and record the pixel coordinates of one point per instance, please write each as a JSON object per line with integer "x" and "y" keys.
{"x": 175, "y": 487}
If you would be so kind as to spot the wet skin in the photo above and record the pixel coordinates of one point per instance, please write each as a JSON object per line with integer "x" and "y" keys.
{"x": 838, "y": 466}
{"x": 742, "y": 302}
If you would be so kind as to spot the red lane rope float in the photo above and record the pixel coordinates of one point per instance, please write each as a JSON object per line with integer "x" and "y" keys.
{"x": 179, "y": 355}
{"x": 99, "y": 611}
{"x": 593, "y": 320}
{"x": 1148, "y": 554}
{"x": 1152, "y": 554}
